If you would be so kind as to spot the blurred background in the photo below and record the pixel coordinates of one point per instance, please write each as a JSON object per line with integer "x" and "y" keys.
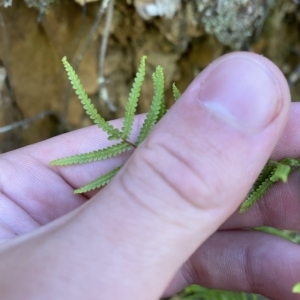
{"x": 104, "y": 41}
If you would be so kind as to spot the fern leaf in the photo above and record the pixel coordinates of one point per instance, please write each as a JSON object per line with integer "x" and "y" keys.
{"x": 266, "y": 173}
{"x": 92, "y": 156}
{"x": 260, "y": 188}
{"x": 162, "y": 111}
{"x": 286, "y": 234}
{"x": 282, "y": 172}
{"x": 195, "y": 292}
{"x": 296, "y": 288}
{"x": 176, "y": 93}
{"x": 87, "y": 103}
{"x": 160, "y": 79}
{"x": 101, "y": 181}
{"x": 291, "y": 162}
{"x": 156, "y": 105}
{"x": 133, "y": 99}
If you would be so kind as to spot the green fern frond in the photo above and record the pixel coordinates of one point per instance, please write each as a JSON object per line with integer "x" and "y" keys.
{"x": 101, "y": 154}
{"x": 157, "y": 105}
{"x": 286, "y": 234}
{"x": 133, "y": 99}
{"x": 87, "y": 103}
{"x": 272, "y": 172}
{"x": 282, "y": 172}
{"x": 176, "y": 93}
{"x": 101, "y": 181}
{"x": 266, "y": 173}
{"x": 296, "y": 288}
{"x": 195, "y": 292}
{"x": 261, "y": 186}
{"x": 291, "y": 162}
{"x": 160, "y": 78}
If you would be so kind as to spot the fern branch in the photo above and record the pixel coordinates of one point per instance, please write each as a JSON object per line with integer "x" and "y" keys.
{"x": 271, "y": 173}
{"x": 87, "y": 103}
{"x": 262, "y": 185}
{"x": 266, "y": 172}
{"x": 176, "y": 93}
{"x": 295, "y": 163}
{"x": 156, "y": 105}
{"x": 296, "y": 288}
{"x": 282, "y": 172}
{"x": 101, "y": 181}
{"x": 133, "y": 99}
{"x": 160, "y": 78}
{"x": 195, "y": 292}
{"x": 92, "y": 156}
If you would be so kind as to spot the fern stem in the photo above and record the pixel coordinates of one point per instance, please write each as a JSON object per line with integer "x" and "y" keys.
{"x": 129, "y": 143}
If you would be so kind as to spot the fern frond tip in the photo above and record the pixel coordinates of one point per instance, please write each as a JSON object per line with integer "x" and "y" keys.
{"x": 99, "y": 182}
{"x": 157, "y": 107}
{"x": 176, "y": 93}
{"x": 133, "y": 99}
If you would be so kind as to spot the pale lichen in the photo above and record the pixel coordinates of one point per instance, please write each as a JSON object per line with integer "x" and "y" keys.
{"x": 153, "y": 8}
{"x": 233, "y": 22}
{"x": 5, "y": 3}
{"x": 39, "y": 4}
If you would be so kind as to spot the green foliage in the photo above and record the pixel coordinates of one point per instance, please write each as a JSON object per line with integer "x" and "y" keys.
{"x": 296, "y": 288}
{"x": 271, "y": 173}
{"x": 159, "y": 85}
{"x": 260, "y": 187}
{"x": 92, "y": 156}
{"x": 133, "y": 100}
{"x": 281, "y": 172}
{"x": 87, "y": 103}
{"x": 196, "y": 292}
{"x": 157, "y": 107}
{"x": 156, "y": 112}
{"x": 101, "y": 181}
{"x": 176, "y": 93}
{"x": 290, "y": 235}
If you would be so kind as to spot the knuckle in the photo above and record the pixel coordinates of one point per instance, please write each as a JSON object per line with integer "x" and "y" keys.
{"x": 177, "y": 174}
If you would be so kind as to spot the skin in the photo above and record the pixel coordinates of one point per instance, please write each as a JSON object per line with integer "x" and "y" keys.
{"x": 168, "y": 219}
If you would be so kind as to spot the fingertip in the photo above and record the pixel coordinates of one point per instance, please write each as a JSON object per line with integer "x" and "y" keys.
{"x": 244, "y": 89}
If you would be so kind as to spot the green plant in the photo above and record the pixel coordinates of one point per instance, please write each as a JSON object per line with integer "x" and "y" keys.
{"x": 156, "y": 112}
{"x": 271, "y": 173}
{"x": 296, "y": 288}
{"x": 196, "y": 292}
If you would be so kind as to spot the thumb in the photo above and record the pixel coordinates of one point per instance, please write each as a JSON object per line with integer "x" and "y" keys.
{"x": 194, "y": 170}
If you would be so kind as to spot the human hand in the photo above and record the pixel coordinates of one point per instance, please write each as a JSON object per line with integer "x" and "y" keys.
{"x": 144, "y": 230}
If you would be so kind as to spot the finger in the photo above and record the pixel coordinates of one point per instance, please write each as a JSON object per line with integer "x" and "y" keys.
{"x": 176, "y": 189}
{"x": 243, "y": 261}
{"x": 26, "y": 206}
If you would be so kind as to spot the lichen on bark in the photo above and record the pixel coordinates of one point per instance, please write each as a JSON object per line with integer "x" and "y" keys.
{"x": 233, "y": 22}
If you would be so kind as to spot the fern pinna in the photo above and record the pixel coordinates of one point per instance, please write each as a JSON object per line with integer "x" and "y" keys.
{"x": 272, "y": 172}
